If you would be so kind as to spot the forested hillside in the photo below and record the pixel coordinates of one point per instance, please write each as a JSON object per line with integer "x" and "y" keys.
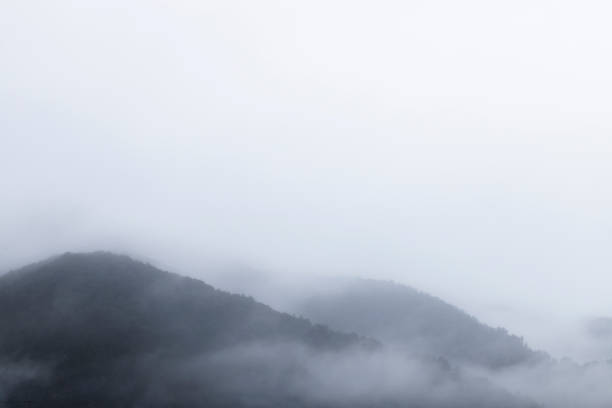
{"x": 100, "y": 330}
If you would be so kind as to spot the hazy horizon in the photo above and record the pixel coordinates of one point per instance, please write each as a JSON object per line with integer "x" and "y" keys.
{"x": 462, "y": 149}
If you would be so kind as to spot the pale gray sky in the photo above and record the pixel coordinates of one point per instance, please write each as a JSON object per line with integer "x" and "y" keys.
{"x": 461, "y": 147}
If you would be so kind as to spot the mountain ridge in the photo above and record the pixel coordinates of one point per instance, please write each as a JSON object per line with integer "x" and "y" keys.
{"x": 104, "y": 330}
{"x": 399, "y": 314}
{"x": 392, "y": 312}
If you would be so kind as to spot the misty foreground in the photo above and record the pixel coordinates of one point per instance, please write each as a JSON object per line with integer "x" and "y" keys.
{"x": 104, "y": 330}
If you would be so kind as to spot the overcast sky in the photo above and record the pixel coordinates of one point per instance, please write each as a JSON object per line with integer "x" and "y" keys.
{"x": 464, "y": 148}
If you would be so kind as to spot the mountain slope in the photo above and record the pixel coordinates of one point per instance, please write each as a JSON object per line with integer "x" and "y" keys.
{"x": 401, "y": 315}
{"x": 101, "y": 330}
{"x": 93, "y": 292}
{"x": 396, "y": 314}
{"x": 95, "y": 318}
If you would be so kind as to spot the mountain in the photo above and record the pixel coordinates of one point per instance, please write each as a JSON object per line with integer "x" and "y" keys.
{"x": 401, "y": 315}
{"x": 101, "y": 330}
{"x": 396, "y": 314}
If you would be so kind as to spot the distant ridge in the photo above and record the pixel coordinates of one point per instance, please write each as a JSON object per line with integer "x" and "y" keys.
{"x": 399, "y": 314}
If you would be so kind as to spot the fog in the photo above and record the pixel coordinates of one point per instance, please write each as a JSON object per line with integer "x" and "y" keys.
{"x": 462, "y": 149}
{"x": 351, "y": 378}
